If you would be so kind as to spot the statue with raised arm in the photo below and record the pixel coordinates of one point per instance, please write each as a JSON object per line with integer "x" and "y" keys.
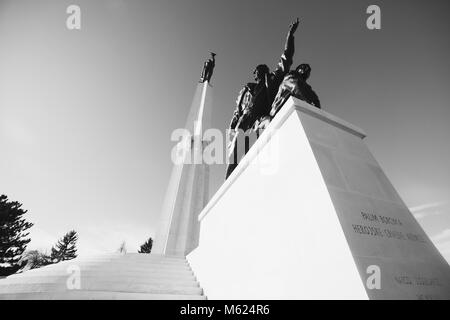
{"x": 255, "y": 98}
{"x": 208, "y": 68}
{"x": 294, "y": 84}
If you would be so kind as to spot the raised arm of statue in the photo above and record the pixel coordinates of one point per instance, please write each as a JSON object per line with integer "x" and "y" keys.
{"x": 288, "y": 53}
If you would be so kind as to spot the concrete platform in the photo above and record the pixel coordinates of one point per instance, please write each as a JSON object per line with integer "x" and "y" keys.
{"x": 309, "y": 214}
{"x": 109, "y": 276}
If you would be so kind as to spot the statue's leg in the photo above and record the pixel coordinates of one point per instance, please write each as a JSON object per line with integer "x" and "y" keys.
{"x": 230, "y": 169}
{"x": 208, "y": 75}
{"x": 233, "y": 161}
{"x": 247, "y": 143}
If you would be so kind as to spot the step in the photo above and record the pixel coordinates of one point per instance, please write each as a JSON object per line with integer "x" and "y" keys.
{"x": 108, "y": 272}
{"x": 97, "y": 295}
{"x": 113, "y": 268}
{"x": 105, "y": 274}
{"x": 153, "y": 255}
{"x": 143, "y": 257}
{"x": 123, "y": 264}
{"x": 89, "y": 279}
{"x": 131, "y": 256}
{"x": 123, "y": 261}
{"x": 118, "y": 263}
{"x": 110, "y": 275}
{"x": 149, "y": 261}
{"x": 102, "y": 286}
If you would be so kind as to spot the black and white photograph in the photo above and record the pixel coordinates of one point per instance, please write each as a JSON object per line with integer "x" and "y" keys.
{"x": 211, "y": 150}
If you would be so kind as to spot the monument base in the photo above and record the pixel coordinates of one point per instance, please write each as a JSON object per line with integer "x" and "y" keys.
{"x": 309, "y": 214}
{"x": 106, "y": 277}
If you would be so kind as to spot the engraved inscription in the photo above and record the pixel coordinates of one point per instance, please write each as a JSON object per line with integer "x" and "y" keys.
{"x": 384, "y": 232}
{"x": 418, "y": 281}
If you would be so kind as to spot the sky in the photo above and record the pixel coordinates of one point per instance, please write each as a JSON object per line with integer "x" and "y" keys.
{"x": 86, "y": 115}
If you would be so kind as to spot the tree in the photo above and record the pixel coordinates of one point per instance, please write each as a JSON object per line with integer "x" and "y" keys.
{"x": 34, "y": 259}
{"x": 146, "y": 247}
{"x": 13, "y": 236}
{"x": 66, "y": 248}
{"x": 123, "y": 248}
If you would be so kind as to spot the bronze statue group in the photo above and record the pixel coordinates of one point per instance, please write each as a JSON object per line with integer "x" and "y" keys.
{"x": 258, "y": 102}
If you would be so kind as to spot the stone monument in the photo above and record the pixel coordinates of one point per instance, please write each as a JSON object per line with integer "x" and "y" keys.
{"x": 187, "y": 193}
{"x": 322, "y": 221}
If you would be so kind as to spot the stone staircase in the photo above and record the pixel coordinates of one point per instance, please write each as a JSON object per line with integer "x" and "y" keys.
{"x": 106, "y": 277}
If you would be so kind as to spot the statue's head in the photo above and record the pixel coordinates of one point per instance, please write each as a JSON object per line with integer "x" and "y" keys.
{"x": 304, "y": 70}
{"x": 260, "y": 72}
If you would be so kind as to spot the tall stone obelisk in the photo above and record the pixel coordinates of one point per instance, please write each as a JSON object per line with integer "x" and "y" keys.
{"x": 187, "y": 192}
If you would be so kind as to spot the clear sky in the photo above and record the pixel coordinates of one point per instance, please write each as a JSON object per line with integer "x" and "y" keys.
{"x": 86, "y": 115}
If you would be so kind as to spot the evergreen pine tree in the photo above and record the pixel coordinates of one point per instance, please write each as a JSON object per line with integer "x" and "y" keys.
{"x": 147, "y": 246}
{"x": 13, "y": 235}
{"x": 65, "y": 249}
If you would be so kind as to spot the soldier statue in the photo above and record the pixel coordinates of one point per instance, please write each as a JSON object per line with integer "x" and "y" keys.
{"x": 208, "y": 68}
{"x": 255, "y": 99}
{"x": 294, "y": 83}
